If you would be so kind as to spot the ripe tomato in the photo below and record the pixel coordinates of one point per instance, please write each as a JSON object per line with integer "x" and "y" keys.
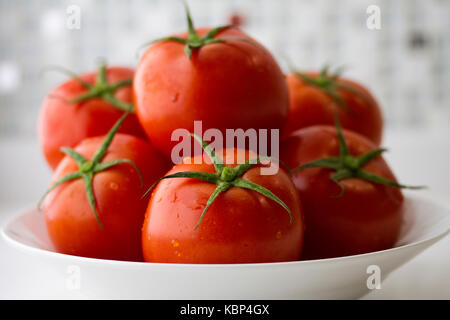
{"x": 64, "y": 122}
{"x": 228, "y": 82}
{"x": 367, "y": 217}
{"x": 113, "y": 230}
{"x": 240, "y": 226}
{"x": 312, "y": 104}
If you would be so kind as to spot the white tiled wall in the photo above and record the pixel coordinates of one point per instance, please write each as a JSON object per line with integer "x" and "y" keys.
{"x": 406, "y": 63}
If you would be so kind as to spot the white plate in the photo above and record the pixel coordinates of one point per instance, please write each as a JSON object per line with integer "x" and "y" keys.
{"x": 338, "y": 278}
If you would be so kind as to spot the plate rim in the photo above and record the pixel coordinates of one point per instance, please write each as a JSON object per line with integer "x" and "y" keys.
{"x": 11, "y": 241}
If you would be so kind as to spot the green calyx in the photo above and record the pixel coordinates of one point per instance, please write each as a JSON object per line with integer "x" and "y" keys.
{"x": 228, "y": 174}
{"x": 330, "y": 84}
{"x": 194, "y": 41}
{"x": 346, "y": 166}
{"x": 101, "y": 89}
{"x": 225, "y": 178}
{"x": 88, "y": 168}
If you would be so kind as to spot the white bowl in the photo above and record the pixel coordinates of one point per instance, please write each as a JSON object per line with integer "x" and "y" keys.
{"x": 338, "y": 278}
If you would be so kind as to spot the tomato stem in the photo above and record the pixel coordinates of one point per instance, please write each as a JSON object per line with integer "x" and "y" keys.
{"x": 329, "y": 84}
{"x": 225, "y": 178}
{"x": 194, "y": 41}
{"x": 347, "y": 166}
{"x": 101, "y": 89}
{"x": 87, "y": 169}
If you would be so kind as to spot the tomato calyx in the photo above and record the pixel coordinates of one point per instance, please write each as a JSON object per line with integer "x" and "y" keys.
{"x": 194, "y": 41}
{"x": 88, "y": 168}
{"x": 346, "y": 166}
{"x": 101, "y": 89}
{"x": 228, "y": 174}
{"x": 225, "y": 178}
{"x": 330, "y": 84}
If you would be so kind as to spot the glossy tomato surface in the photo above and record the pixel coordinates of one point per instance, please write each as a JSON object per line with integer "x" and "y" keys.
{"x": 71, "y": 223}
{"x": 366, "y": 218}
{"x": 64, "y": 124}
{"x": 227, "y": 85}
{"x": 309, "y": 105}
{"x": 241, "y": 226}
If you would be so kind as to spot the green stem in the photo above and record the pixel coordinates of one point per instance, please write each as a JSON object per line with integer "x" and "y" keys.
{"x": 100, "y": 153}
{"x": 101, "y": 89}
{"x": 101, "y": 74}
{"x": 194, "y": 41}
{"x": 346, "y": 166}
{"x": 343, "y": 149}
{"x": 367, "y": 157}
{"x": 87, "y": 178}
{"x": 109, "y": 97}
{"x": 68, "y": 177}
{"x": 241, "y": 183}
{"x": 208, "y": 177}
{"x": 69, "y": 73}
{"x": 79, "y": 159}
{"x": 191, "y": 29}
{"x": 329, "y": 84}
{"x": 217, "y": 161}
{"x": 221, "y": 187}
{"x": 225, "y": 178}
{"x": 99, "y": 167}
{"x": 87, "y": 169}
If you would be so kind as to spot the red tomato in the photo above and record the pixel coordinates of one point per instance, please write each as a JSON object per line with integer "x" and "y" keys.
{"x": 227, "y": 85}
{"x": 311, "y": 105}
{"x": 65, "y": 124}
{"x": 366, "y": 218}
{"x": 71, "y": 221}
{"x": 240, "y": 226}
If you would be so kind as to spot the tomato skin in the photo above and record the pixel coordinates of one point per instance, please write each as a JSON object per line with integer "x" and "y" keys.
{"x": 241, "y": 226}
{"x": 227, "y": 85}
{"x": 70, "y": 220}
{"x": 366, "y": 218}
{"x": 309, "y": 106}
{"x": 62, "y": 124}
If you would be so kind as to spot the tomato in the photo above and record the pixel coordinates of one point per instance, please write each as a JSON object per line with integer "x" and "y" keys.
{"x": 351, "y": 205}
{"x": 110, "y": 227}
{"x": 64, "y": 122}
{"x": 228, "y": 82}
{"x": 240, "y": 226}
{"x": 312, "y": 104}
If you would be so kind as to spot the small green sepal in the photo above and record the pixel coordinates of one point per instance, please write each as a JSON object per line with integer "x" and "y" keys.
{"x": 88, "y": 168}
{"x": 225, "y": 178}
{"x": 347, "y": 166}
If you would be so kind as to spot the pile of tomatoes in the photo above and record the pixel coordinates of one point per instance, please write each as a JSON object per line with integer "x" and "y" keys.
{"x": 116, "y": 194}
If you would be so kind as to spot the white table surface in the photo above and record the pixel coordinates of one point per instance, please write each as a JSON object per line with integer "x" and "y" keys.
{"x": 415, "y": 158}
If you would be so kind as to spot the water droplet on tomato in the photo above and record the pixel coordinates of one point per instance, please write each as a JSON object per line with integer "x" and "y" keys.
{"x": 175, "y": 243}
{"x": 278, "y": 236}
{"x": 263, "y": 201}
{"x": 113, "y": 185}
{"x": 174, "y": 97}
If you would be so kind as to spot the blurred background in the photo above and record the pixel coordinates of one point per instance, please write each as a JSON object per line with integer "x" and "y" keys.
{"x": 405, "y": 61}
